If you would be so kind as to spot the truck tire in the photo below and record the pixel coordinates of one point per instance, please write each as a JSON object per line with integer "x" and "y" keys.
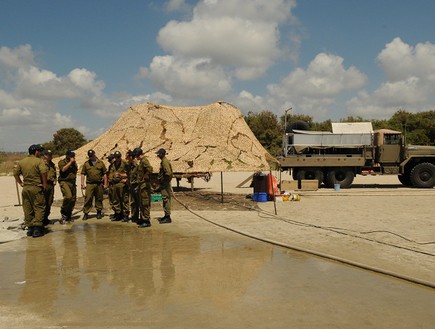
{"x": 342, "y": 176}
{"x": 405, "y": 179}
{"x": 423, "y": 175}
{"x": 310, "y": 174}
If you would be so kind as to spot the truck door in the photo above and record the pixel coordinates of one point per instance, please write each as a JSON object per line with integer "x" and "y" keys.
{"x": 389, "y": 151}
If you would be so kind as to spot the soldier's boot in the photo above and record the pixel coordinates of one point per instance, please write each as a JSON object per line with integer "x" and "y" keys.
{"x": 85, "y": 217}
{"x": 144, "y": 223}
{"x": 134, "y": 219}
{"x": 38, "y": 231}
{"x": 30, "y": 230}
{"x": 99, "y": 214}
{"x": 117, "y": 218}
{"x": 165, "y": 220}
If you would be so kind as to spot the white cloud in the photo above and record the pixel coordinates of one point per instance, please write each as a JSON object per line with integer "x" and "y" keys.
{"x": 401, "y": 61}
{"x": 61, "y": 120}
{"x": 314, "y": 90}
{"x": 410, "y": 84}
{"x": 21, "y": 56}
{"x": 85, "y": 80}
{"x": 30, "y": 96}
{"x": 218, "y": 44}
{"x": 189, "y": 78}
{"x": 177, "y": 5}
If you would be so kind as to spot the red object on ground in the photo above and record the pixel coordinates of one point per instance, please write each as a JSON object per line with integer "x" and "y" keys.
{"x": 272, "y": 185}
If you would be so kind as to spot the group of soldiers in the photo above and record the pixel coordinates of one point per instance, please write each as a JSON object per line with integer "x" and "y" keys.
{"x": 128, "y": 182}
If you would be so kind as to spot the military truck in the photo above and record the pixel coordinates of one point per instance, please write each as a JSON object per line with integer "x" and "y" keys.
{"x": 337, "y": 157}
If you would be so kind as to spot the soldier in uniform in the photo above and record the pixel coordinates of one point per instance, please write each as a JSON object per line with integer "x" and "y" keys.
{"x": 111, "y": 160}
{"x": 34, "y": 172}
{"x": 165, "y": 178}
{"x": 67, "y": 181}
{"x": 133, "y": 186}
{"x": 95, "y": 172}
{"x": 119, "y": 173}
{"x": 51, "y": 183}
{"x": 143, "y": 173}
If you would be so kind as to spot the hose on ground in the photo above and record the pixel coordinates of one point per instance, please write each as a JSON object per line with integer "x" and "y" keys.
{"x": 312, "y": 252}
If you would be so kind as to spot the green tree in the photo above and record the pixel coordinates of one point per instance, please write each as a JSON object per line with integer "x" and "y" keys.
{"x": 322, "y": 126}
{"x": 266, "y": 128}
{"x": 65, "y": 139}
{"x": 297, "y": 117}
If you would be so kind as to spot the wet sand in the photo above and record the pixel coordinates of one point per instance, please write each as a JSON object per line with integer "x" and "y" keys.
{"x": 193, "y": 274}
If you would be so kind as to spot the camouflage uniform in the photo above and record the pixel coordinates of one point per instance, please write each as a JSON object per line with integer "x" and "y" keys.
{"x": 165, "y": 178}
{"x": 68, "y": 186}
{"x": 144, "y": 170}
{"x": 49, "y": 191}
{"x": 34, "y": 172}
{"x": 134, "y": 191}
{"x": 94, "y": 185}
{"x": 119, "y": 175}
{"x": 110, "y": 158}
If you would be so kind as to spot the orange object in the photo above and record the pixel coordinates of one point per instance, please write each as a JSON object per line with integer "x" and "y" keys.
{"x": 272, "y": 185}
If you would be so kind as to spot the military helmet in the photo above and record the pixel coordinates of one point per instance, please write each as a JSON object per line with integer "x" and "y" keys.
{"x": 137, "y": 151}
{"x": 161, "y": 152}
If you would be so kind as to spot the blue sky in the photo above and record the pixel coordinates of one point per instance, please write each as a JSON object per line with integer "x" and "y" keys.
{"x": 82, "y": 63}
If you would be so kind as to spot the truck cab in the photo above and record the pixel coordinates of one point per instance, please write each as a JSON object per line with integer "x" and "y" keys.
{"x": 389, "y": 146}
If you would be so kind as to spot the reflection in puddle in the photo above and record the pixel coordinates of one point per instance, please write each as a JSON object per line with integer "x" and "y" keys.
{"x": 103, "y": 274}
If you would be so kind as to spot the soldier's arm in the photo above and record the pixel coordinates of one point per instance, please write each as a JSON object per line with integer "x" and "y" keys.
{"x": 17, "y": 173}
{"x": 66, "y": 166}
{"x": 18, "y": 180}
{"x": 55, "y": 175}
{"x": 83, "y": 180}
{"x": 44, "y": 180}
{"x": 105, "y": 180}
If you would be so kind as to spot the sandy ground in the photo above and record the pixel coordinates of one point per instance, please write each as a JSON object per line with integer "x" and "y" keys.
{"x": 377, "y": 223}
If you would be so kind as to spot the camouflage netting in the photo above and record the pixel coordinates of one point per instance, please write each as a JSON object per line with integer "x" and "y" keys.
{"x": 208, "y": 138}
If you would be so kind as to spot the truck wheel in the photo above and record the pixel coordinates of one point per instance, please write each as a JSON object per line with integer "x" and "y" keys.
{"x": 342, "y": 176}
{"x": 405, "y": 179}
{"x": 310, "y": 174}
{"x": 423, "y": 175}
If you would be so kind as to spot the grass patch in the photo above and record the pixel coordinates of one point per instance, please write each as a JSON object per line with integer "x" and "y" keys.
{"x": 8, "y": 160}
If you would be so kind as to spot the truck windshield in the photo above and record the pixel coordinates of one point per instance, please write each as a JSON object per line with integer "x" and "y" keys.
{"x": 391, "y": 139}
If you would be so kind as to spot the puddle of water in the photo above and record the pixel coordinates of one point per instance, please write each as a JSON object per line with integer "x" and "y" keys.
{"x": 101, "y": 274}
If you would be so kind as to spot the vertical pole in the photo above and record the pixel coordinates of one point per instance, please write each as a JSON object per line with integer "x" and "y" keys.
{"x": 222, "y": 187}
{"x": 192, "y": 187}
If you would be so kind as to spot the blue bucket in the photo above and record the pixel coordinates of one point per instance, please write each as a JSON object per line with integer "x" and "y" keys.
{"x": 337, "y": 187}
{"x": 260, "y": 197}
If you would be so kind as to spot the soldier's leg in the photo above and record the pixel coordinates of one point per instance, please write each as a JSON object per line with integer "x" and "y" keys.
{"x": 38, "y": 206}
{"x": 145, "y": 205}
{"x": 134, "y": 203}
{"x": 73, "y": 188}
{"x": 99, "y": 198}
{"x": 49, "y": 196}
{"x": 117, "y": 201}
{"x": 125, "y": 205}
{"x": 166, "y": 198}
{"x": 27, "y": 206}
{"x": 67, "y": 198}
{"x": 89, "y": 195}
{"x": 110, "y": 195}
